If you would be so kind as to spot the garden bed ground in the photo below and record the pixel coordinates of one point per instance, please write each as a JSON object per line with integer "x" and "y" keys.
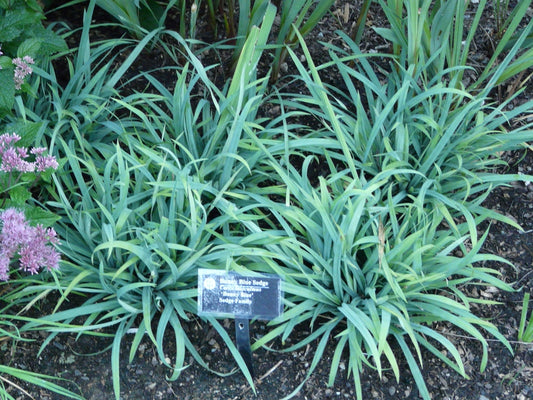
{"x": 86, "y": 360}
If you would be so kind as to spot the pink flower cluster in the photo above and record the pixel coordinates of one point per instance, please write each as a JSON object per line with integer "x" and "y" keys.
{"x": 32, "y": 244}
{"x": 15, "y": 158}
{"x": 22, "y": 69}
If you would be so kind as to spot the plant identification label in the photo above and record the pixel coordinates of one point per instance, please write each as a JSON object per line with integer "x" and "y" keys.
{"x": 228, "y": 294}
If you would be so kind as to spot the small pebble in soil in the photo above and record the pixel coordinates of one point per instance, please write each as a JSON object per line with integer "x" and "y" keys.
{"x": 58, "y": 345}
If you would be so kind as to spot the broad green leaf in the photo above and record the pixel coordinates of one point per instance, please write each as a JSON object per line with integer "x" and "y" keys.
{"x": 38, "y": 215}
{"x": 19, "y": 195}
{"x": 7, "y": 94}
{"x": 30, "y": 47}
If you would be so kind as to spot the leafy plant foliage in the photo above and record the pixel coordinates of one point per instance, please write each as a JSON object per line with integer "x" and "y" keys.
{"x": 22, "y": 34}
{"x": 377, "y": 240}
{"x": 374, "y": 253}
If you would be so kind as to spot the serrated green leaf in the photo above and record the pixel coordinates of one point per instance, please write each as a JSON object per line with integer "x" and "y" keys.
{"x": 13, "y": 23}
{"x": 19, "y": 195}
{"x": 30, "y": 47}
{"x": 27, "y": 131}
{"x": 7, "y": 93}
{"x": 8, "y": 33}
{"x": 38, "y": 215}
{"x": 5, "y": 63}
{"x": 52, "y": 42}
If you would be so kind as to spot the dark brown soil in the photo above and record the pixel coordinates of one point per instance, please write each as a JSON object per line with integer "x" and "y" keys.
{"x": 86, "y": 360}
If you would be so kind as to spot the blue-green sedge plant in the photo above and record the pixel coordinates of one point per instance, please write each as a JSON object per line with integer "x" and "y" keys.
{"x": 144, "y": 202}
{"x": 294, "y": 15}
{"x": 387, "y": 239}
{"x": 525, "y": 329}
{"x": 373, "y": 274}
{"x": 301, "y": 16}
{"x": 438, "y": 34}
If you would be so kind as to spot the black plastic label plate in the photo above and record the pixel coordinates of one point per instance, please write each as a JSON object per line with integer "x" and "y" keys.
{"x": 228, "y": 294}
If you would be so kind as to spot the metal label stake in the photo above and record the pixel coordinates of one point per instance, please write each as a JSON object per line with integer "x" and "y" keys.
{"x": 242, "y": 339}
{"x": 243, "y": 297}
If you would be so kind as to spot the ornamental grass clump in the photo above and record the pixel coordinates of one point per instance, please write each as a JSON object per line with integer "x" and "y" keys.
{"x": 386, "y": 243}
{"x": 441, "y": 35}
{"x": 139, "y": 225}
{"x": 445, "y": 141}
{"x": 374, "y": 255}
{"x": 374, "y": 274}
{"x": 143, "y": 198}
